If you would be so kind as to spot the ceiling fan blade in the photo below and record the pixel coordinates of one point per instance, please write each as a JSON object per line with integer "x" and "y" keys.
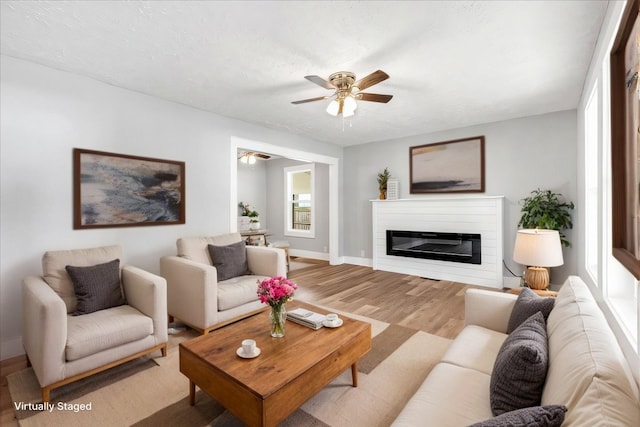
{"x": 320, "y": 82}
{"x": 374, "y": 97}
{"x": 263, "y": 156}
{"x": 372, "y": 79}
{"x": 319, "y": 98}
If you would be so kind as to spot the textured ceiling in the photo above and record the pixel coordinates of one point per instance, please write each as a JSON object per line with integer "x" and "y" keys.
{"x": 452, "y": 63}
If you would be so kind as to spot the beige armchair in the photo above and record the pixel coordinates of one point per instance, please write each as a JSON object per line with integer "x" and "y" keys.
{"x": 197, "y": 297}
{"x": 63, "y": 347}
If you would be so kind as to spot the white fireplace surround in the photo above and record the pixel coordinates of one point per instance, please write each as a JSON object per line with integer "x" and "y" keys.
{"x": 447, "y": 214}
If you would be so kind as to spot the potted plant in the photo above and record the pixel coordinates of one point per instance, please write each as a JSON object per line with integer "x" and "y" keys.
{"x": 544, "y": 209}
{"x": 383, "y": 179}
{"x": 254, "y": 220}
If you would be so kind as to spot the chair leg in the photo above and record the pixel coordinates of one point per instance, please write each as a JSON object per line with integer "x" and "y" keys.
{"x": 46, "y": 394}
{"x": 171, "y": 318}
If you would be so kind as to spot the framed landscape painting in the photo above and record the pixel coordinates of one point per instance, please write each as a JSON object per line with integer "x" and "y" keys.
{"x": 117, "y": 190}
{"x": 448, "y": 167}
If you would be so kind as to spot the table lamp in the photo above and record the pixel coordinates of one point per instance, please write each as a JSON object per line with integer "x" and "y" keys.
{"x": 538, "y": 249}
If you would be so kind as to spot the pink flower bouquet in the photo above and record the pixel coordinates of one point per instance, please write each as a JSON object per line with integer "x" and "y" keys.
{"x": 276, "y": 291}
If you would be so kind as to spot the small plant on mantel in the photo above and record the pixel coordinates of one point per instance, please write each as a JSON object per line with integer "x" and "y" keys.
{"x": 544, "y": 209}
{"x": 383, "y": 179}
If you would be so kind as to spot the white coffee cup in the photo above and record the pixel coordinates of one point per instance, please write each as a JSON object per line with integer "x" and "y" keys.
{"x": 248, "y": 346}
{"x": 332, "y": 318}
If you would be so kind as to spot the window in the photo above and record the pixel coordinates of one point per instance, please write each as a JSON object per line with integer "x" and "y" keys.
{"x": 592, "y": 187}
{"x": 625, "y": 140}
{"x": 299, "y": 201}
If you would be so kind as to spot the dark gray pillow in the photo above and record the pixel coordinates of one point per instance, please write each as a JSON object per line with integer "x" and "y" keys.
{"x": 520, "y": 369}
{"x": 229, "y": 260}
{"x": 535, "y": 416}
{"x": 527, "y": 304}
{"x": 97, "y": 287}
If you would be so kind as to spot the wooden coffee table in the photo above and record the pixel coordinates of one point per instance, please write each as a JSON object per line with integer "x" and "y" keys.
{"x": 265, "y": 390}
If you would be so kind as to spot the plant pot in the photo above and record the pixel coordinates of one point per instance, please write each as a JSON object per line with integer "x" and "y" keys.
{"x": 383, "y": 194}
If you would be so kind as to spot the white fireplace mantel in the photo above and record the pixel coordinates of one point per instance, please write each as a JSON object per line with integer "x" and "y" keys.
{"x": 448, "y": 214}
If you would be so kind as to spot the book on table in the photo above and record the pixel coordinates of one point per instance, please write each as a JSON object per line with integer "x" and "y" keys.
{"x": 306, "y": 318}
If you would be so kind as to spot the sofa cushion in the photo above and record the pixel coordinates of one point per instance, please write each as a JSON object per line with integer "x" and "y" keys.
{"x": 230, "y": 260}
{"x": 527, "y": 304}
{"x": 476, "y": 348}
{"x": 587, "y": 369}
{"x": 56, "y": 276}
{"x": 97, "y": 287}
{"x": 195, "y": 248}
{"x": 521, "y": 365}
{"x": 535, "y": 416}
{"x": 105, "y": 329}
{"x": 450, "y": 396}
{"x": 238, "y": 291}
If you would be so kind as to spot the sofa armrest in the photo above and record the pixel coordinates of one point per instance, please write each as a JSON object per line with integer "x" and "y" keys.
{"x": 147, "y": 293}
{"x": 192, "y": 290}
{"x": 489, "y": 309}
{"x": 264, "y": 261}
{"x": 44, "y": 334}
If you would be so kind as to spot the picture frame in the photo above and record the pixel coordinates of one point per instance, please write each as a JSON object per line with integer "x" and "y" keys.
{"x": 119, "y": 190}
{"x": 455, "y": 166}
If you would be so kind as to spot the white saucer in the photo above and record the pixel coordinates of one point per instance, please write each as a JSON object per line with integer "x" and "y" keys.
{"x": 336, "y": 324}
{"x": 242, "y": 354}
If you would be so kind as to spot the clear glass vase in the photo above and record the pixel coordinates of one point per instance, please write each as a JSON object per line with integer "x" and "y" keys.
{"x": 278, "y": 318}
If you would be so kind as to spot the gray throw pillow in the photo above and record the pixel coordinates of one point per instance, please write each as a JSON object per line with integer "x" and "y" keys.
{"x": 229, "y": 260}
{"x": 520, "y": 369}
{"x": 527, "y": 304}
{"x": 97, "y": 287}
{"x": 535, "y": 416}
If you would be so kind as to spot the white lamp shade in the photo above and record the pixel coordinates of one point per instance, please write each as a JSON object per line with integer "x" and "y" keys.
{"x": 333, "y": 107}
{"x": 538, "y": 248}
{"x": 350, "y": 105}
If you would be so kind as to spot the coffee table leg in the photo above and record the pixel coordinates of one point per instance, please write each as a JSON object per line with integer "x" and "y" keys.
{"x": 192, "y": 393}
{"x": 354, "y": 374}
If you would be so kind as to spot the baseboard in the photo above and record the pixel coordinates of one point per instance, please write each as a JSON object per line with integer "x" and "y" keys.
{"x": 309, "y": 254}
{"x": 11, "y": 348}
{"x": 364, "y": 262}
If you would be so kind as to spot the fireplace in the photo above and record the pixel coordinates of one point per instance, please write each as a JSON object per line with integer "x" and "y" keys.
{"x": 453, "y": 247}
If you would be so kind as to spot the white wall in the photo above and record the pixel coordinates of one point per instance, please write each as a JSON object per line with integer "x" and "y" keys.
{"x": 314, "y": 247}
{"x": 45, "y": 113}
{"x": 520, "y": 156}
{"x": 253, "y": 188}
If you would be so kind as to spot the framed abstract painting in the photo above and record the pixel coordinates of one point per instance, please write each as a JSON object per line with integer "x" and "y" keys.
{"x": 455, "y": 166}
{"x": 118, "y": 190}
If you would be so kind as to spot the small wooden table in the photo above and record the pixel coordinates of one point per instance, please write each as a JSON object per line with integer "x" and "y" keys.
{"x": 265, "y": 390}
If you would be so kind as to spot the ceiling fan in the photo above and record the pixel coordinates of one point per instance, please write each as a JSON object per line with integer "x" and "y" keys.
{"x": 347, "y": 91}
{"x": 251, "y": 156}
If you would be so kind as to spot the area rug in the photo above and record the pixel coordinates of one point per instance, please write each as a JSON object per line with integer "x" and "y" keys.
{"x": 153, "y": 392}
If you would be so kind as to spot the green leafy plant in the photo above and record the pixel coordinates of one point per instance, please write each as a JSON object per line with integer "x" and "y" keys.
{"x": 248, "y": 211}
{"x": 383, "y": 178}
{"x": 545, "y": 209}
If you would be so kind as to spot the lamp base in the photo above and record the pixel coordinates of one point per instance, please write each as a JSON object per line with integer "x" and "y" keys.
{"x": 537, "y": 278}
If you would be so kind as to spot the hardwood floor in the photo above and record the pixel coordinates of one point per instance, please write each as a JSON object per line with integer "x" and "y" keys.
{"x": 436, "y": 307}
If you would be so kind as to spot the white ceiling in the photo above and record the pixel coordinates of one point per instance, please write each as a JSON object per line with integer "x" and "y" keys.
{"x": 451, "y": 63}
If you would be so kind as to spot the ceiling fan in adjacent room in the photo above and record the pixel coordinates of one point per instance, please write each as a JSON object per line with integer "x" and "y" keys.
{"x": 250, "y": 157}
{"x": 347, "y": 91}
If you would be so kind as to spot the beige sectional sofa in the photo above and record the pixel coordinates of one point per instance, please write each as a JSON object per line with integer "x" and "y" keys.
{"x": 587, "y": 371}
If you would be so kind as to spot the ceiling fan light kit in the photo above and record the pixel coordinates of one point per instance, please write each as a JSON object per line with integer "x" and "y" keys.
{"x": 347, "y": 90}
